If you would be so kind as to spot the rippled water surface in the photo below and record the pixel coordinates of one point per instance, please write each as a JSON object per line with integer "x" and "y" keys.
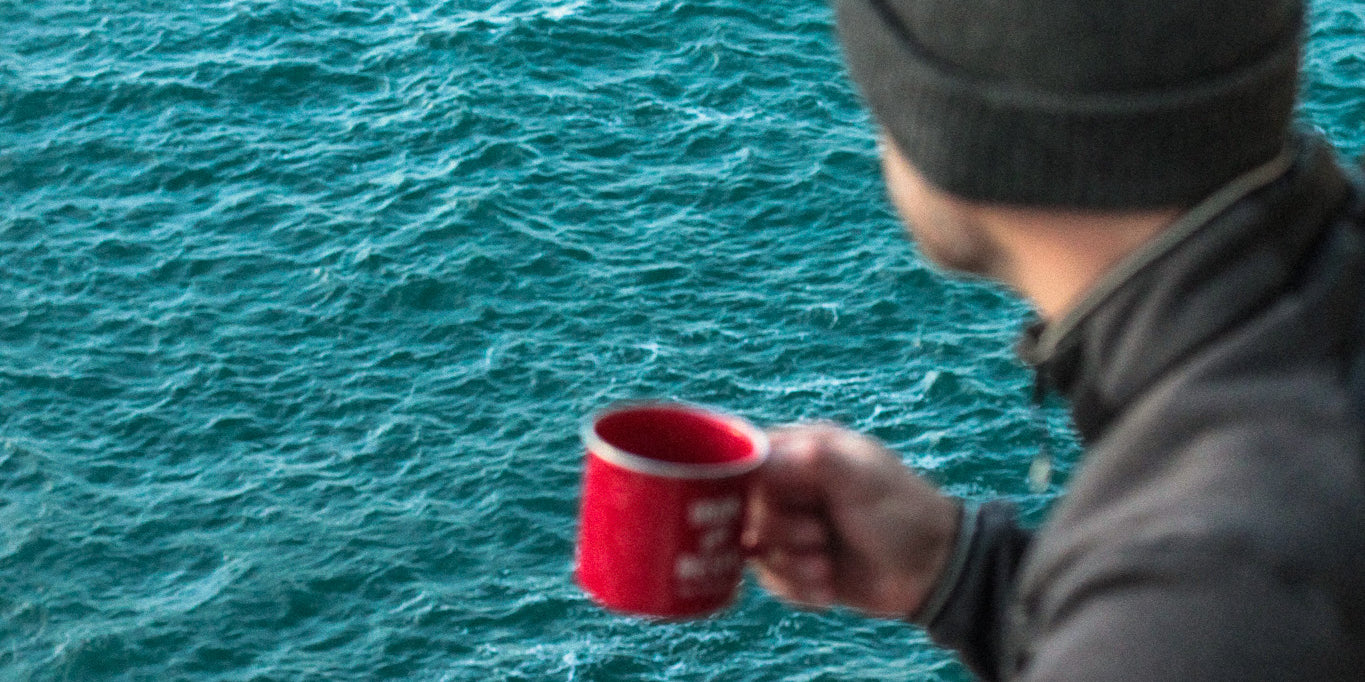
{"x": 301, "y": 304}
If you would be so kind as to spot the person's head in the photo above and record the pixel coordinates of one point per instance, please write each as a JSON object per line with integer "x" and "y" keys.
{"x": 1097, "y": 105}
{"x": 946, "y": 228}
{"x": 1050, "y": 255}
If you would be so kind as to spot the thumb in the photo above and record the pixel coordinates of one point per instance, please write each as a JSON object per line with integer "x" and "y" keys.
{"x": 795, "y": 476}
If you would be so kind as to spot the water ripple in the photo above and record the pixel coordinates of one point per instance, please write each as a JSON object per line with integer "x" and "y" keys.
{"x": 303, "y": 303}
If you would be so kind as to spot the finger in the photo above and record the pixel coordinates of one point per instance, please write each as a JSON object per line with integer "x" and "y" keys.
{"x": 784, "y": 504}
{"x": 790, "y": 478}
{"x": 794, "y": 532}
{"x": 792, "y": 597}
{"x": 803, "y": 439}
{"x": 815, "y": 453}
{"x": 804, "y": 579}
{"x": 796, "y": 568}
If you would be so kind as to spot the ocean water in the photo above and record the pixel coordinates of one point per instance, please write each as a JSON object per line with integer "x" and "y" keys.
{"x": 301, "y": 304}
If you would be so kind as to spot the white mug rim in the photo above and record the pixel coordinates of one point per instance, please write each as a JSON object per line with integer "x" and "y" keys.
{"x": 598, "y": 446}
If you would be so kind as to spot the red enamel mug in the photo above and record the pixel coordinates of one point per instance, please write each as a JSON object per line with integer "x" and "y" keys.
{"x": 662, "y": 506}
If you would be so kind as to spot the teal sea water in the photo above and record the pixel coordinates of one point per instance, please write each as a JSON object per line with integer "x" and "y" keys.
{"x": 301, "y": 304}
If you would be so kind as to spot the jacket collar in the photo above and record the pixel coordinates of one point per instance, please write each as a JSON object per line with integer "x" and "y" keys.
{"x": 1216, "y": 265}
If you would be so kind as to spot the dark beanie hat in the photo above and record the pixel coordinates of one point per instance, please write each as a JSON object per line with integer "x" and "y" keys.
{"x": 1078, "y": 103}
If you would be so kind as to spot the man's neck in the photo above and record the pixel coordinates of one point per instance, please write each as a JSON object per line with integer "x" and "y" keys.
{"x": 1053, "y": 257}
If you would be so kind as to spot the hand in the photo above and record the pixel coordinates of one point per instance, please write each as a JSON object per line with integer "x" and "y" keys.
{"x": 836, "y": 518}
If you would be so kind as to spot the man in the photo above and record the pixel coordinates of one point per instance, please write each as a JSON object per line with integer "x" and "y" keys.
{"x": 1129, "y": 167}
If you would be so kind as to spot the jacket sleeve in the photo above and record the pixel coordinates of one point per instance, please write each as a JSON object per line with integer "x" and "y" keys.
{"x": 1237, "y": 621}
{"x": 967, "y": 609}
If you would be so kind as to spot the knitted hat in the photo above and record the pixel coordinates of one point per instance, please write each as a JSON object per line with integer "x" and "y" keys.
{"x": 1103, "y": 104}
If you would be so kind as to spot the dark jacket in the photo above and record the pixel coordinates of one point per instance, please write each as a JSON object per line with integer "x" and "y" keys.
{"x": 1215, "y": 529}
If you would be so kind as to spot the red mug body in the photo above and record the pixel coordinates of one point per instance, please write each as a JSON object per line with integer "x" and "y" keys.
{"x": 662, "y": 506}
